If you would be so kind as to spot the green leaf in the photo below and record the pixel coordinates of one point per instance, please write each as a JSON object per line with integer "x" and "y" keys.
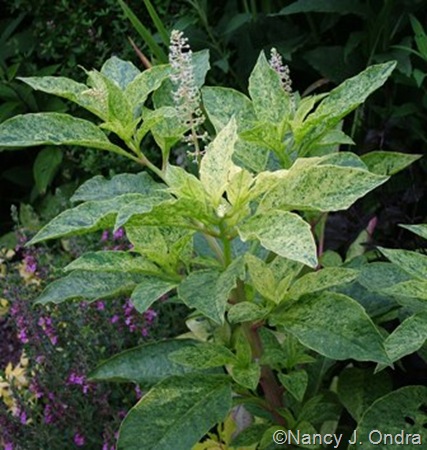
{"x": 247, "y": 375}
{"x": 271, "y": 102}
{"x": 316, "y": 184}
{"x": 295, "y": 383}
{"x": 100, "y": 188}
{"x": 415, "y": 264}
{"x": 122, "y": 73}
{"x": 341, "y": 101}
{"x": 217, "y": 167}
{"x": 203, "y": 356}
{"x": 149, "y": 290}
{"x": 176, "y": 413}
{"x": 412, "y": 288}
{"x": 388, "y": 163}
{"x": 333, "y": 325}
{"x": 53, "y": 129}
{"x": 208, "y": 290}
{"x": 146, "y": 364}
{"x": 359, "y": 388}
{"x": 246, "y": 312}
{"x": 408, "y": 337}
{"x": 325, "y": 6}
{"x": 284, "y": 233}
{"x": 401, "y": 414}
{"x": 89, "y": 286}
{"x": 420, "y": 229}
{"x": 320, "y": 280}
{"x": 45, "y": 167}
{"x": 113, "y": 261}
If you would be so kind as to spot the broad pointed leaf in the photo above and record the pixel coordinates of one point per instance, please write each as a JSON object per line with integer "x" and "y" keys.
{"x": 122, "y": 73}
{"x": 203, "y": 356}
{"x": 420, "y": 230}
{"x": 149, "y": 290}
{"x": 388, "y": 163}
{"x": 415, "y": 264}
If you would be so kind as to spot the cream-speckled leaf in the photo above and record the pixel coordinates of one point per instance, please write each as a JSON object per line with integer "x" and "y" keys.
{"x": 320, "y": 280}
{"x": 203, "y": 356}
{"x": 246, "y": 312}
{"x": 149, "y": 290}
{"x": 222, "y": 104}
{"x": 420, "y": 229}
{"x": 413, "y": 263}
{"x": 100, "y": 188}
{"x": 53, "y": 129}
{"x": 247, "y": 376}
{"x": 208, "y": 290}
{"x": 411, "y": 288}
{"x": 217, "y": 166}
{"x": 238, "y": 188}
{"x": 64, "y": 87}
{"x": 146, "y": 364}
{"x": 342, "y": 100}
{"x": 176, "y": 413}
{"x": 271, "y": 102}
{"x": 251, "y": 156}
{"x": 284, "y": 233}
{"x": 261, "y": 276}
{"x": 295, "y": 383}
{"x": 310, "y": 185}
{"x": 113, "y": 261}
{"x": 399, "y": 413}
{"x": 408, "y": 337}
{"x": 120, "y": 72}
{"x": 333, "y": 325}
{"x": 144, "y": 83}
{"x": 184, "y": 184}
{"x": 84, "y": 218}
{"x": 89, "y": 286}
{"x": 388, "y": 163}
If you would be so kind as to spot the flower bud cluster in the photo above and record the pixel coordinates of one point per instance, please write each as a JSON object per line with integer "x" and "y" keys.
{"x": 276, "y": 63}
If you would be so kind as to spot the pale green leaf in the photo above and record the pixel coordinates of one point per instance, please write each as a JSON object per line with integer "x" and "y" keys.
{"x": 176, "y": 413}
{"x": 312, "y": 185}
{"x": 149, "y": 290}
{"x": 284, "y": 233}
{"x": 415, "y": 264}
{"x": 217, "y": 167}
{"x": 271, "y": 102}
{"x": 53, "y": 129}
{"x": 113, "y": 261}
{"x": 408, "y": 337}
{"x": 388, "y": 163}
{"x": 262, "y": 277}
{"x": 333, "y": 325}
{"x": 320, "y": 280}
{"x": 246, "y": 312}
{"x": 203, "y": 356}
{"x": 399, "y": 413}
{"x": 411, "y": 288}
{"x": 420, "y": 229}
{"x": 45, "y": 167}
{"x": 89, "y": 286}
{"x": 295, "y": 383}
{"x": 247, "y": 376}
{"x": 359, "y": 388}
{"x": 122, "y": 73}
{"x": 146, "y": 364}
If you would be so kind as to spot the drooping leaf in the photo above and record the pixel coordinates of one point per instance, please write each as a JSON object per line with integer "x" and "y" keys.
{"x": 334, "y": 325}
{"x": 408, "y": 337}
{"x": 388, "y": 163}
{"x": 400, "y": 412}
{"x": 146, "y": 364}
{"x": 176, "y": 413}
{"x": 150, "y": 289}
{"x": 359, "y": 388}
{"x": 203, "y": 356}
{"x": 53, "y": 129}
{"x": 45, "y": 167}
{"x": 284, "y": 233}
{"x": 89, "y": 286}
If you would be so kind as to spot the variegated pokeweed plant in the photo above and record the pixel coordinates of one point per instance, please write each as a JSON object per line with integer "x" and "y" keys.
{"x": 280, "y": 333}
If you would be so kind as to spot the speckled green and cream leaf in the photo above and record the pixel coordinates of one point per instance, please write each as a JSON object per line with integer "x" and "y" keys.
{"x": 89, "y": 286}
{"x": 313, "y": 184}
{"x": 176, "y": 413}
{"x": 333, "y": 325}
{"x": 413, "y": 263}
{"x": 149, "y": 290}
{"x": 36, "y": 129}
{"x": 295, "y": 383}
{"x": 411, "y": 288}
{"x": 261, "y": 277}
{"x": 204, "y": 355}
{"x": 388, "y": 163}
{"x": 246, "y": 375}
{"x": 217, "y": 167}
{"x": 282, "y": 232}
{"x": 272, "y": 104}
{"x": 121, "y": 72}
{"x": 246, "y": 312}
{"x": 401, "y": 412}
{"x": 146, "y": 364}
{"x": 419, "y": 229}
{"x": 408, "y": 337}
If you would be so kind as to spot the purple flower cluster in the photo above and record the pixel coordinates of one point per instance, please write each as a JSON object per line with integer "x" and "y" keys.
{"x": 46, "y": 323}
{"x": 78, "y": 380}
{"x": 134, "y": 320}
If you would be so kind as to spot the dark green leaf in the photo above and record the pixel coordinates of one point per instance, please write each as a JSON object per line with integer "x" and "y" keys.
{"x": 45, "y": 167}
